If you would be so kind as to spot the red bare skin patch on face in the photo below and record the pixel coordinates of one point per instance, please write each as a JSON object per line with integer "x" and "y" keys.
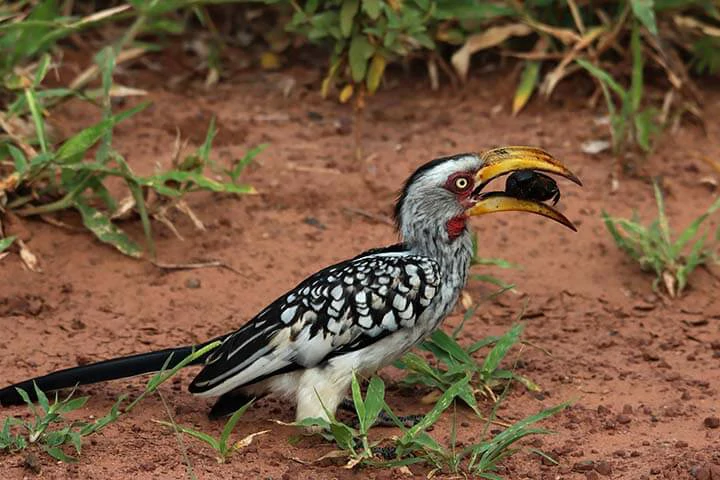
{"x": 456, "y": 226}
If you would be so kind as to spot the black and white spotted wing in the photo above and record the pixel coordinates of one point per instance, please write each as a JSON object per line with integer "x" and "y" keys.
{"x": 340, "y": 309}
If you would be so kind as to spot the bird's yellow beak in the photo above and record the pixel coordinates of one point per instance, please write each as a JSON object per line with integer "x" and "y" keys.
{"x": 501, "y": 161}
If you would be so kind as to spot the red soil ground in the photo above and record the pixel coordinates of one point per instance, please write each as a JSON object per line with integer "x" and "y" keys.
{"x": 644, "y": 371}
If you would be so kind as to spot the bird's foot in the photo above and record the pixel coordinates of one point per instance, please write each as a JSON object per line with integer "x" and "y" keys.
{"x": 383, "y": 420}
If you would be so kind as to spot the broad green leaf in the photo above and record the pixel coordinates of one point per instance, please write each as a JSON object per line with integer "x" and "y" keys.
{"x": 72, "y": 404}
{"x": 372, "y": 8}
{"x": 348, "y": 10}
{"x": 105, "y": 230}
{"x": 360, "y": 52}
{"x": 18, "y": 158}
{"x": 528, "y": 82}
{"x": 344, "y": 436}
{"x": 447, "y": 343}
{"x": 374, "y": 400}
{"x": 58, "y": 454}
{"x": 6, "y": 242}
{"x": 644, "y": 11}
{"x": 76, "y": 146}
{"x": 42, "y": 398}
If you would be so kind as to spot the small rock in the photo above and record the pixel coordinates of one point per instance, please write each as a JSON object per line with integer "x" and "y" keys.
{"x": 681, "y": 444}
{"x": 623, "y": 419}
{"x": 634, "y": 454}
{"x": 701, "y": 472}
{"x": 685, "y": 395}
{"x": 650, "y": 356}
{"x": 620, "y": 453}
{"x": 628, "y": 409}
{"x": 715, "y": 345}
{"x": 77, "y": 324}
{"x": 655, "y": 471}
{"x": 192, "y": 283}
{"x": 712, "y": 422}
{"x": 643, "y": 307}
{"x": 592, "y": 476}
{"x": 603, "y": 468}
{"x": 585, "y": 466}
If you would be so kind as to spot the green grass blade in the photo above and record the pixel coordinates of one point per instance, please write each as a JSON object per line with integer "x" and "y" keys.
{"x": 107, "y": 232}
{"x": 6, "y": 242}
{"x": 38, "y": 120}
{"x": 202, "y": 436}
{"x": 374, "y": 400}
{"x": 73, "y": 149}
{"x": 359, "y": 403}
{"x": 449, "y": 345}
{"x": 636, "y": 82}
{"x": 498, "y": 352}
{"x": 433, "y": 415}
{"x": 232, "y": 421}
{"x": 644, "y": 10}
{"x": 19, "y": 159}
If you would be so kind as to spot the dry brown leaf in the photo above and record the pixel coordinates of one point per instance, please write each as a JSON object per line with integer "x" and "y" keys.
{"x": 491, "y": 37}
{"x": 670, "y": 283}
{"x": 4, "y": 254}
{"x": 90, "y": 72}
{"x": 563, "y": 69}
{"x": 246, "y": 441}
{"x": 101, "y": 15}
{"x": 352, "y": 463}
{"x": 28, "y": 257}
{"x": 565, "y": 35}
{"x": 405, "y": 471}
{"x": 690, "y": 22}
{"x": 185, "y": 208}
{"x": 124, "y": 209}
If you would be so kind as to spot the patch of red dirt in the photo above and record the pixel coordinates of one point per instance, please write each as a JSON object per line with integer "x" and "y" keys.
{"x": 643, "y": 372}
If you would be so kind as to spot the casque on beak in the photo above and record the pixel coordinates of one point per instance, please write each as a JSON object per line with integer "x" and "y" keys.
{"x": 501, "y": 161}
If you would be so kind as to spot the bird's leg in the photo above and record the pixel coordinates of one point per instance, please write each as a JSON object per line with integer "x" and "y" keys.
{"x": 383, "y": 420}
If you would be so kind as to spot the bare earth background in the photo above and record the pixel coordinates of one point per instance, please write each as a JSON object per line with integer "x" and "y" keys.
{"x": 644, "y": 372}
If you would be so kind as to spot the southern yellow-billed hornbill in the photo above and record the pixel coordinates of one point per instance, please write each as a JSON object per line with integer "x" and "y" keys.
{"x": 360, "y": 314}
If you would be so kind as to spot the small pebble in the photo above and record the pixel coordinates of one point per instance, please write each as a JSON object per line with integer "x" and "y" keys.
{"x": 654, "y": 471}
{"x": 585, "y": 466}
{"x": 681, "y": 444}
{"x": 712, "y": 422}
{"x": 192, "y": 283}
{"x": 592, "y": 476}
{"x": 603, "y": 468}
{"x": 623, "y": 419}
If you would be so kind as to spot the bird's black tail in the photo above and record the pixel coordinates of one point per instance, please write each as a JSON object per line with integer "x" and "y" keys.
{"x": 113, "y": 369}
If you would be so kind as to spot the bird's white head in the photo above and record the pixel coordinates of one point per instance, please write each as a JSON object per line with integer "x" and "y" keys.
{"x": 438, "y": 198}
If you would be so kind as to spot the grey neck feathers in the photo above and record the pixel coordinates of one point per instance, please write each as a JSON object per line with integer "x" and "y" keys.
{"x": 430, "y": 239}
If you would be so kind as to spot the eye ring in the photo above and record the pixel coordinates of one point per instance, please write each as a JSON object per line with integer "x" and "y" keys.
{"x": 461, "y": 183}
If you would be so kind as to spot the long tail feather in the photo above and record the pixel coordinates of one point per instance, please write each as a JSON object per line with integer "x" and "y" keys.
{"x": 113, "y": 369}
